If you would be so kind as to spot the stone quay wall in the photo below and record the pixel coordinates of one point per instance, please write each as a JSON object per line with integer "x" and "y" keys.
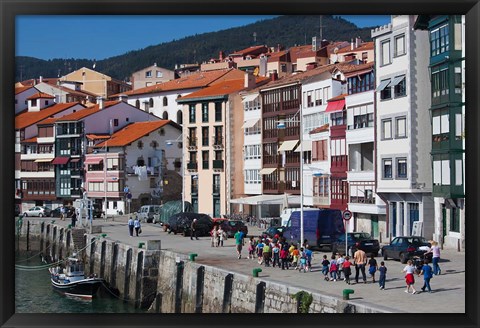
{"x": 167, "y": 282}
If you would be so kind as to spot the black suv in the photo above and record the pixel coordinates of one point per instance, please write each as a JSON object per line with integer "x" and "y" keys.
{"x": 181, "y": 222}
{"x": 355, "y": 241}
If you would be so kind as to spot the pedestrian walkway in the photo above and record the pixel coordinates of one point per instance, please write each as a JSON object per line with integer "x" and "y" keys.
{"x": 448, "y": 288}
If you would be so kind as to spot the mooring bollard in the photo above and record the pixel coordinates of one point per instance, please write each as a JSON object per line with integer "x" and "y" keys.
{"x": 346, "y": 293}
{"x": 193, "y": 256}
{"x": 104, "y": 235}
{"x": 140, "y": 245}
{"x": 256, "y": 271}
{"x": 69, "y": 226}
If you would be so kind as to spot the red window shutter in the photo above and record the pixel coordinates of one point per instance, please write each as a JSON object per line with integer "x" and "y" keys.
{"x": 314, "y": 150}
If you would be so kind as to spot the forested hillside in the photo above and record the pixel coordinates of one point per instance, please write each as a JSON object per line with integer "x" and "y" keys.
{"x": 283, "y": 30}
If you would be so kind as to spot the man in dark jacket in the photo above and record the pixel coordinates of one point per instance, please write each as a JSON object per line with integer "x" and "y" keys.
{"x": 193, "y": 228}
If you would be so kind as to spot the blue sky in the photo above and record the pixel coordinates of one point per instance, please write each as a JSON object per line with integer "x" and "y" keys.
{"x": 100, "y": 37}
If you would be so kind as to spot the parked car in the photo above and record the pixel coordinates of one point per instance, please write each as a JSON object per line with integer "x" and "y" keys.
{"x": 147, "y": 212}
{"x": 356, "y": 241}
{"x": 406, "y": 248}
{"x": 232, "y": 226}
{"x": 181, "y": 222}
{"x": 37, "y": 211}
{"x": 273, "y": 231}
{"x": 97, "y": 211}
{"x": 56, "y": 213}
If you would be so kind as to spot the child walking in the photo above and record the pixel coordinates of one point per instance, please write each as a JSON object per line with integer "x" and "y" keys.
{"x": 373, "y": 267}
{"x": 340, "y": 261}
{"x": 303, "y": 261}
{"x": 409, "y": 279}
{"x": 333, "y": 268}
{"x": 347, "y": 270}
{"x": 251, "y": 248}
{"x": 325, "y": 264}
{"x": 427, "y": 272}
{"x": 383, "y": 275}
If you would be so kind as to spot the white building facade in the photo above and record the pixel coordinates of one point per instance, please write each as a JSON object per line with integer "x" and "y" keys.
{"x": 403, "y": 131}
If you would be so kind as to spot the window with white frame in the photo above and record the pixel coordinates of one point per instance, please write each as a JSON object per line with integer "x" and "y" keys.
{"x": 96, "y": 186}
{"x": 385, "y": 53}
{"x": 441, "y": 172}
{"x": 256, "y": 129}
{"x": 112, "y": 186}
{"x": 386, "y": 129}
{"x": 252, "y": 105}
{"x": 318, "y": 97}
{"x": 321, "y": 186}
{"x": 439, "y": 40}
{"x": 440, "y": 122}
{"x": 251, "y": 152}
{"x": 159, "y": 74}
{"x": 362, "y": 117}
{"x": 313, "y": 121}
{"x": 387, "y": 168}
{"x": 458, "y": 172}
{"x": 401, "y": 168}
{"x": 252, "y": 176}
{"x": 148, "y": 74}
{"x": 326, "y": 93}
{"x": 113, "y": 164}
{"x": 338, "y": 147}
{"x": 440, "y": 82}
{"x": 399, "y": 45}
{"x": 310, "y": 100}
{"x": 458, "y": 126}
{"x": 401, "y": 127}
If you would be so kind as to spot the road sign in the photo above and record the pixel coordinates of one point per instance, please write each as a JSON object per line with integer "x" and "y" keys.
{"x": 347, "y": 215}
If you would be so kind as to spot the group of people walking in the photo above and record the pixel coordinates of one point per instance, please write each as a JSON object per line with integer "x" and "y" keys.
{"x": 134, "y": 225}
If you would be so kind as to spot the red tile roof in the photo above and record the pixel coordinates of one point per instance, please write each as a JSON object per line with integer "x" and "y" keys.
{"x": 32, "y": 82}
{"x": 221, "y": 88}
{"x": 48, "y": 121}
{"x": 22, "y": 89}
{"x": 299, "y": 52}
{"x": 288, "y": 79}
{"x": 31, "y": 140}
{"x": 276, "y": 56}
{"x": 350, "y": 69}
{"x": 250, "y": 50}
{"x": 78, "y": 115}
{"x": 363, "y": 47}
{"x": 40, "y": 95}
{"x": 197, "y": 80}
{"x": 29, "y": 118}
{"x": 132, "y": 132}
{"x": 339, "y": 97}
{"x": 97, "y": 136}
{"x": 322, "y": 128}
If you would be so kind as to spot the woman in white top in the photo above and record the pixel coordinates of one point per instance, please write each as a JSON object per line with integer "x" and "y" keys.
{"x": 220, "y": 236}
{"x": 409, "y": 279}
{"x": 435, "y": 250}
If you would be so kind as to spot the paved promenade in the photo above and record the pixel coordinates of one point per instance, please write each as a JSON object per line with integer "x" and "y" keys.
{"x": 448, "y": 288}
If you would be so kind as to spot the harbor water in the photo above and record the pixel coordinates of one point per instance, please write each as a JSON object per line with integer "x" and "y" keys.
{"x": 34, "y": 292}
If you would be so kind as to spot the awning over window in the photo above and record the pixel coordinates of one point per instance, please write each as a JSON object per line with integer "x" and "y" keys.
{"x": 397, "y": 80}
{"x": 288, "y": 145}
{"x": 43, "y": 160}
{"x": 267, "y": 170}
{"x": 250, "y": 98}
{"x": 335, "y": 106}
{"x": 307, "y": 146}
{"x": 382, "y": 85}
{"x": 93, "y": 160}
{"x": 75, "y": 160}
{"x": 60, "y": 160}
{"x": 249, "y": 123}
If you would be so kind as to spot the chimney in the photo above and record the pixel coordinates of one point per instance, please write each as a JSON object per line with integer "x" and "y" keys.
{"x": 324, "y": 43}
{"x": 358, "y": 41}
{"x": 41, "y": 79}
{"x": 221, "y": 55}
{"x": 155, "y": 64}
{"x": 274, "y": 75}
{"x": 100, "y": 102}
{"x": 249, "y": 80}
{"x": 352, "y": 45}
{"x": 123, "y": 97}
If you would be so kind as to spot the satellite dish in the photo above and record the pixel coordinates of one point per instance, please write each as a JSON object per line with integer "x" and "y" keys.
{"x": 335, "y": 50}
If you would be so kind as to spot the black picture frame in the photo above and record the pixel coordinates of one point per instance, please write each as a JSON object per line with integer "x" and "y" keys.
{"x": 11, "y": 8}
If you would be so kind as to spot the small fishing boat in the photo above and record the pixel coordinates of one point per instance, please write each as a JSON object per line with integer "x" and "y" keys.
{"x": 71, "y": 280}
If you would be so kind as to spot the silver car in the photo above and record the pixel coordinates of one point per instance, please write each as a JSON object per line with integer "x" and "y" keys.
{"x": 37, "y": 211}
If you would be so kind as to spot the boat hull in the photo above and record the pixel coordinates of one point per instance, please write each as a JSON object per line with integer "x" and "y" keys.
{"x": 85, "y": 288}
